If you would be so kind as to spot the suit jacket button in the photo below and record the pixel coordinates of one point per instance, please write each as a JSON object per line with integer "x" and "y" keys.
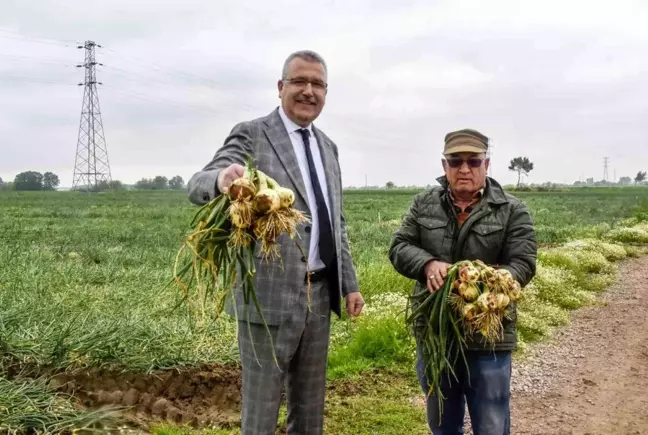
{"x": 303, "y": 259}
{"x": 307, "y": 229}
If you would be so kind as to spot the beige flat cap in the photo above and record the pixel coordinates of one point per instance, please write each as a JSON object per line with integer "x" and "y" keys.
{"x": 465, "y": 141}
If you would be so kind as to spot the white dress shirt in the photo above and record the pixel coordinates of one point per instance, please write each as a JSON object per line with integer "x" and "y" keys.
{"x": 314, "y": 260}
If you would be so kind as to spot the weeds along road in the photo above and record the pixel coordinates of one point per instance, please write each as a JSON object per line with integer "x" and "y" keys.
{"x": 592, "y": 378}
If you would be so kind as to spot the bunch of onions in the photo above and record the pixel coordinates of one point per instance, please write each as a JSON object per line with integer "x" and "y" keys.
{"x": 481, "y": 296}
{"x": 220, "y": 250}
{"x": 473, "y": 299}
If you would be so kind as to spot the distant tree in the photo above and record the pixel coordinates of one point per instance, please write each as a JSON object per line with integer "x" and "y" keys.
{"x": 521, "y": 165}
{"x": 101, "y": 186}
{"x": 9, "y": 185}
{"x": 144, "y": 183}
{"x": 115, "y": 185}
{"x": 176, "y": 183}
{"x": 390, "y": 185}
{"x": 160, "y": 183}
{"x": 29, "y": 180}
{"x": 641, "y": 176}
{"x": 50, "y": 181}
{"x": 625, "y": 181}
{"x": 1, "y": 182}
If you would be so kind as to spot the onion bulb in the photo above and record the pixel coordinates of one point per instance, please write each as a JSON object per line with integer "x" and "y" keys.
{"x": 468, "y": 291}
{"x": 468, "y": 273}
{"x": 286, "y": 197}
{"x": 470, "y": 311}
{"x": 241, "y": 188}
{"x": 267, "y": 201}
{"x": 487, "y": 301}
{"x": 502, "y": 300}
{"x": 504, "y": 276}
{"x": 482, "y": 301}
{"x": 487, "y": 274}
{"x": 514, "y": 291}
{"x": 241, "y": 214}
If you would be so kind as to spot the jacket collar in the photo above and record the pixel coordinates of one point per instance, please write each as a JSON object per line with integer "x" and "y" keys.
{"x": 493, "y": 192}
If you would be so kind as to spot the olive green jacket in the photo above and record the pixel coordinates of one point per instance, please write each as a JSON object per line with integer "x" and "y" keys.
{"x": 499, "y": 231}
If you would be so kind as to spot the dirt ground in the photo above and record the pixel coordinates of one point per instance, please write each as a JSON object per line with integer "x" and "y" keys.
{"x": 591, "y": 378}
{"x": 195, "y": 396}
{"x": 594, "y": 374}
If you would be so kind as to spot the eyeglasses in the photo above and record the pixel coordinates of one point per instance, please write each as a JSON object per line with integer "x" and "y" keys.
{"x": 455, "y": 162}
{"x": 302, "y": 83}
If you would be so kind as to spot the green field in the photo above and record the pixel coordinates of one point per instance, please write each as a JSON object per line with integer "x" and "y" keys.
{"x": 84, "y": 291}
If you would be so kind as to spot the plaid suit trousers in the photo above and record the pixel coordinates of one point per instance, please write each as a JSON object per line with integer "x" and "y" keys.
{"x": 301, "y": 364}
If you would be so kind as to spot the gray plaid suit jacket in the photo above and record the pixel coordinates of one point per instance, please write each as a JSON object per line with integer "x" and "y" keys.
{"x": 281, "y": 286}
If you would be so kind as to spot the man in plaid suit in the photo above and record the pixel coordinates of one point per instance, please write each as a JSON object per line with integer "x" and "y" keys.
{"x": 289, "y": 148}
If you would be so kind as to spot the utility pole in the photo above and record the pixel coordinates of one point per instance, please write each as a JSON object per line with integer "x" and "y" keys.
{"x": 490, "y": 157}
{"x": 606, "y": 160}
{"x": 91, "y": 165}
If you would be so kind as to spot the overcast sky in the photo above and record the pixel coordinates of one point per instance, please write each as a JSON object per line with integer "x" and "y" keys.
{"x": 564, "y": 83}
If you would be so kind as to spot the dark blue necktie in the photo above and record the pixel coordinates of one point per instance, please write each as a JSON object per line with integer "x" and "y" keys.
{"x": 326, "y": 245}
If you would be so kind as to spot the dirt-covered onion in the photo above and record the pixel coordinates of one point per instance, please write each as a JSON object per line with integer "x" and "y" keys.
{"x": 468, "y": 273}
{"x": 242, "y": 189}
{"x": 266, "y": 201}
{"x": 468, "y": 291}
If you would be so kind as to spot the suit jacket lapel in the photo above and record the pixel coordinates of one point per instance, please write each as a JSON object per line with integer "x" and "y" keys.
{"x": 331, "y": 171}
{"x": 278, "y": 137}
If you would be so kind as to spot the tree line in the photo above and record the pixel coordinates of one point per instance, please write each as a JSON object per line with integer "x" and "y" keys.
{"x": 522, "y": 166}
{"x": 640, "y": 178}
{"x": 32, "y": 180}
{"x": 36, "y": 181}
{"x": 48, "y": 181}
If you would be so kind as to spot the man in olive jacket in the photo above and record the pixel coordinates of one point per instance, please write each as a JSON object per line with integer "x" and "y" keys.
{"x": 468, "y": 217}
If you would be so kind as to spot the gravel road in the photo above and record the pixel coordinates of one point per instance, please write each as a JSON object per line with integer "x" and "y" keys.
{"x": 592, "y": 377}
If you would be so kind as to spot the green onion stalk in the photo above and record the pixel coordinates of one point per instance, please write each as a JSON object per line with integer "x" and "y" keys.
{"x": 439, "y": 334}
{"x": 220, "y": 250}
{"x": 474, "y": 299}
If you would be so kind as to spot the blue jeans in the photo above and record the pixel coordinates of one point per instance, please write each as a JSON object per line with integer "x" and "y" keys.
{"x": 486, "y": 390}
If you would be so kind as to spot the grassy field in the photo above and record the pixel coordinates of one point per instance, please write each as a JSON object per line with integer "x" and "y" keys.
{"x": 83, "y": 286}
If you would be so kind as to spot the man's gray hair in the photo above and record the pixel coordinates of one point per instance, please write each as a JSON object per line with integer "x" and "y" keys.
{"x": 307, "y": 55}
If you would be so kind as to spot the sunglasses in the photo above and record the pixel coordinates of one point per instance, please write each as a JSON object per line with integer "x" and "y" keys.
{"x": 455, "y": 162}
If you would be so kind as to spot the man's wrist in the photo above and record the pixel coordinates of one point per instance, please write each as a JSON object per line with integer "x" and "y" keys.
{"x": 218, "y": 182}
{"x": 423, "y": 275}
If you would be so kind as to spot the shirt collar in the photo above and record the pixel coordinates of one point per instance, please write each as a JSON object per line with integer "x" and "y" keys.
{"x": 290, "y": 125}
{"x": 477, "y": 195}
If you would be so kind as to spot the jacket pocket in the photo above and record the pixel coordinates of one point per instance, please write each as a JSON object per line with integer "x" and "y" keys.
{"x": 485, "y": 241}
{"x": 432, "y": 224}
{"x": 436, "y": 237}
{"x": 487, "y": 230}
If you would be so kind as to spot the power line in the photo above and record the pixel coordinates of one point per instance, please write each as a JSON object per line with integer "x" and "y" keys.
{"x": 50, "y": 61}
{"x": 605, "y": 168}
{"x": 33, "y": 80}
{"x": 16, "y": 36}
{"x": 166, "y": 70}
{"x": 145, "y": 97}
